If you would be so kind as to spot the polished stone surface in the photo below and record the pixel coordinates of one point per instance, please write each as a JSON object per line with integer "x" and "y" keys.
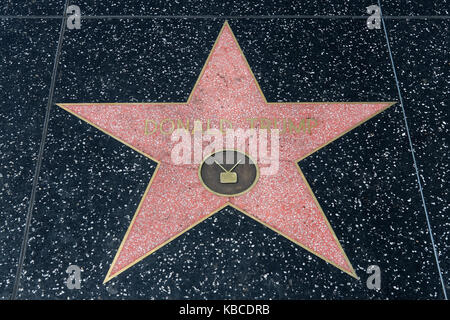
{"x": 420, "y": 50}
{"x": 31, "y": 7}
{"x": 90, "y": 184}
{"x": 224, "y": 8}
{"x": 27, "y": 53}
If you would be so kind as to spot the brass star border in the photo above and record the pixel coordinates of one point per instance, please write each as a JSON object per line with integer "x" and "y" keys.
{"x": 109, "y": 275}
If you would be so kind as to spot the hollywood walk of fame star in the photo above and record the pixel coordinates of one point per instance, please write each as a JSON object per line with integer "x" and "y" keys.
{"x": 226, "y": 89}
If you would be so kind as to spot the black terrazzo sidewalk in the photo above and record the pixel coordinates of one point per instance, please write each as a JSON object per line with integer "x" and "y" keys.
{"x": 89, "y": 184}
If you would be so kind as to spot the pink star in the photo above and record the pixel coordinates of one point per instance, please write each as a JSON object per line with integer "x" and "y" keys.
{"x": 176, "y": 201}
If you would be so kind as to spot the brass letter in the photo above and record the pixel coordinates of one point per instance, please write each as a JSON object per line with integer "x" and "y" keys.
{"x": 298, "y": 128}
{"x": 311, "y": 124}
{"x": 146, "y": 127}
{"x": 222, "y": 122}
{"x": 162, "y": 129}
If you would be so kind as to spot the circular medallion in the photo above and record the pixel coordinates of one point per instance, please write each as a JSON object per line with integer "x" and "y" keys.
{"x": 228, "y": 173}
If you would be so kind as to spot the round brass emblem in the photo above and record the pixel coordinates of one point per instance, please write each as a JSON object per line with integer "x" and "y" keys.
{"x": 228, "y": 173}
